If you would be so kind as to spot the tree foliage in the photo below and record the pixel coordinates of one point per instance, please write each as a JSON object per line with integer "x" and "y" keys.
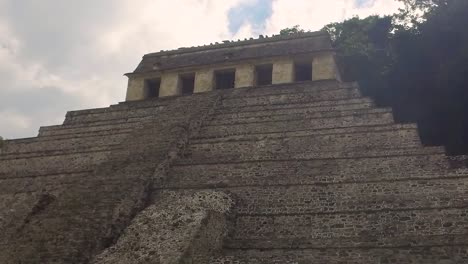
{"x": 416, "y": 62}
{"x": 292, "y": 30}
{"x": 2, "y": 142}
{"x": 363, "y": 50}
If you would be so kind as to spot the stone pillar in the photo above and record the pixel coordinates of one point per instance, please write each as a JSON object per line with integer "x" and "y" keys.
{"x": 324, "y": 67}
{"x": 204, "y": 81}
{"x": 170, "y": 85}
{"x": 283, "y": 71}
{"x": 135, "y": 89}
{"x": 245, "y": 76}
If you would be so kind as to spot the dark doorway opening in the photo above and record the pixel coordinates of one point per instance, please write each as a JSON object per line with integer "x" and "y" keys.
{"x": 152, "y": 88}
{"x": 264, "y": 74}
{"x": 302, "y": 72}
{"x": 225, "y": 79}
{"x": 187, "y": 82}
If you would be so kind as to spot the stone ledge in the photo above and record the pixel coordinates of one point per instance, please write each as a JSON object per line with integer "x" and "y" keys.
{"x": 111, "y": 120}
{"x": 376, "y": 112}
{"x": 251, "y": 41}
{"x": 122, "y": 107}
{"x": 309, "y": 87}
{"x": 83, "y": 135}
{"x": 112, "y": 115}
{"x": 55, "y": 130}
{"x": 297, "y": 116}
{"x": 403, "y": 242}
{"x": 355, "y": 197}
{"x": 428, "y": 151}
{"x": 58, "y": 153}
{"x": 38, "y": 145}
{"x": 436, "y": 254}
{"x": 314, "y": 155}
{"x": 230, "y": 186}
{"x": 423, "y": 227}
{"x": 253, "y": 110}
{"x": 341, "y": 94}
{"x": 305, "y": 132}
{"x": 301, "y": 44}
{"x": 45, "y": 164}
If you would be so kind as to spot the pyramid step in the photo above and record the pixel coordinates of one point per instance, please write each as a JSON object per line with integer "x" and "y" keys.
{"x": 440, "y": 254}
{"x": 296, "y": 87}
{"x": 109, "y": 121}
{"x": 272, "y": 117}
{"x": 314, "y": 171}
{"x": 41, "y": 144}
{"x": 41, "y": 183}
{"x": 263, "y": 110}
{"x": 368, "y": 119}
{"x": 42, "y": 164}
{"x": 292, "y": 97}
{"x": 303, "y": 133}
{"x": 121, "y": 108}
{"x": 310, "y": 146}
{"x": 350, "y": 196}
{"x": 81, "y": 117}
{"x": 407, "y": 227}
{"x": 66, "y": 131}
{"x": 103, "y": 127}
{"x": 86, "y": 134}
{"x": 58, "y": 152}
{"x": 288, "y": 88}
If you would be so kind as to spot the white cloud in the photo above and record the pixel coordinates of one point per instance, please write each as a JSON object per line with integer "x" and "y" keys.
{"x": 245, "y": 31}
{"x": 13, "y": 122}
{"x": 82, "y": 50}
{"x": 168, "y": 25}
{"x": 314, "y": 14}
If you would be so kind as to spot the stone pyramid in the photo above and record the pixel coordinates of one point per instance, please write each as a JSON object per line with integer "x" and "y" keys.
{"x": 290, "y": 173}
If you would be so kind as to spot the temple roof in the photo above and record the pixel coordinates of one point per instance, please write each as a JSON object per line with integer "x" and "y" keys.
{"x": 277, "y": 45}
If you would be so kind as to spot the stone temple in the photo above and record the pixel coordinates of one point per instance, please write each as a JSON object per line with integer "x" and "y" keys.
{"x": 233, "y": 153}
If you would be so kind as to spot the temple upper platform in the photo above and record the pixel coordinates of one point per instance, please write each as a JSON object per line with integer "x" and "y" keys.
{"x": 255, "y": 62}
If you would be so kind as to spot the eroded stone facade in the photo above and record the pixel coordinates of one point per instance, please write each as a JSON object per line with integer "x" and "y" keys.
{"x": 280, "y": 52}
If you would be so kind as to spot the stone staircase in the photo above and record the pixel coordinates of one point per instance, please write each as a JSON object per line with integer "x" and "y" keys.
{"x": 321, "y": 175}
{"x": 67, "y": 194}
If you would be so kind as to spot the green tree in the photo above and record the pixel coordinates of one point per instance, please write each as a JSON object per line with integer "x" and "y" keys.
{"x": 363, "y": 51}
{"x": 2, "y": 142}
{"x": 431, "y": 68}
{"x": 291, "y": 31}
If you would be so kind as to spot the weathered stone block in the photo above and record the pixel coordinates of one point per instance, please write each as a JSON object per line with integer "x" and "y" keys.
{"x": 170, "y": 85}
{"x": 204, "y": 81}
{"x": 245, "y": 76}
{"x": 324, "y": 67}
{"x": 136, "y": 89}
{"x": 283, "y": 71}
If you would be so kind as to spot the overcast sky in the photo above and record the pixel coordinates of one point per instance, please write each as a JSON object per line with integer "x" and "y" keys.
{"x": 59, "y": 55}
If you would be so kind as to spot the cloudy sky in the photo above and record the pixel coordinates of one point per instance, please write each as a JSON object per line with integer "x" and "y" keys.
{"x": 59, "y": 55}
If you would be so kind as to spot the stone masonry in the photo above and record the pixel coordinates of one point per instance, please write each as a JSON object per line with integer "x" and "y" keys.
{"x": 289, "y": 172}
